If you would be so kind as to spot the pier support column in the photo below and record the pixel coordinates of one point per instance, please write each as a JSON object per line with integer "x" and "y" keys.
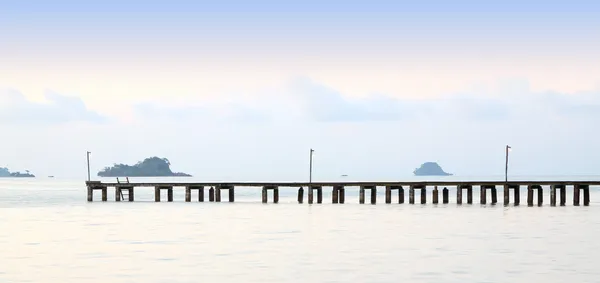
{"x": 540, "y": 194}
{"x": 423, "y": 195}
{"x": 400, "y": 194}
{"x": 90, "y": 194}
{"x": 320, "y": 195}
{"x": 493, "y": 191}
{"x": 459, "y": 198}
{"x": 470, "y": 194}
{"x": 217, "y": 194}
{"x": 265, "y": 196}
{"x": 211, "y": 194}
{"x": 342, "y": 195}
{"x": 130, "y": 194}
{"x": 435, "y": 195}
{"x": 300, "y": 195}
{"x": 117, "y": 193}
{"x": 201, "y": 194}
{"x": 104, "y": 194}
{"x": 361, "y": 195}
{"x": 445, "y": 195}
{"x": 188, "y": 194}
{"x": 553, "y": 195}
{"x": 411, "y": 195}
{"x": 482, "y": 195}
{"x": 576, "y": 193}
{"x": 529, "y": 195}
{"x": 373, "y": 195}
{"x": 276, "y": 195}
{"x": 170, "y": 194}
{"x": 311, "y": 195}
{"x": 389, "y": 191}
{"x": 231, "y": 194}
{"x": 516, "y": 191}
{"x": 586, "y": 195}
{"x": 388, "y": 194}
{"x": 563, "y": 196}
{"x": 335, "y": 195}
{"x": 157, "y": 194}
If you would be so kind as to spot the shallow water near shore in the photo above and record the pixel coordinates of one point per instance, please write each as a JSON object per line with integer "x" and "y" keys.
{"x": 50, "y": 233}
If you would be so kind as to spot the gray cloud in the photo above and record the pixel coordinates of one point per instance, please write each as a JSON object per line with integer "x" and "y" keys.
{"x": 15, "y": 108}
{"x": 306, "y": 100}
{"x": 328, "y": 105}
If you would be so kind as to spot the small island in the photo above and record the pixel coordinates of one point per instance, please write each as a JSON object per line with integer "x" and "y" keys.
{"x": 430, "y": 169}
{"x": 150, "y": 167}
{"x": 5, "y": 173}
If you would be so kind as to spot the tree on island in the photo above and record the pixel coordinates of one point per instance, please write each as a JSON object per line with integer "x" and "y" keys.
{"x": 430, "y": 169}
{"x": 150, "y": 167}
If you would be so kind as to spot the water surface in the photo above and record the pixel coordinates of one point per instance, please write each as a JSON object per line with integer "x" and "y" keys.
{"x": 49, "y": 233}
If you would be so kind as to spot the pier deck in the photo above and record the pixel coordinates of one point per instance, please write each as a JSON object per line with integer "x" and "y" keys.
{"x": 338, "y": 190}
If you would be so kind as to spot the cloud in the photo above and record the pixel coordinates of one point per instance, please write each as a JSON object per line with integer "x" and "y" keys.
{"x": 304, "y": 100}
{"x": 15, "y": 108}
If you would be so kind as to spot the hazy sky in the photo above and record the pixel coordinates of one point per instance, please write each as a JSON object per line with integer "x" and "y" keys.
{"x": 243, "y": 89}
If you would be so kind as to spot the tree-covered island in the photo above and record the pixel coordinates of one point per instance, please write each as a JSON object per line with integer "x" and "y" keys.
{"x": 150, "y": 167}
{"x": 430, "y": 169}
{"x": 4, "y": 172}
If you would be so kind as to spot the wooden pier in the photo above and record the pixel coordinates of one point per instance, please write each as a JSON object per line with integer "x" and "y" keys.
{"x": 578, "y": 188}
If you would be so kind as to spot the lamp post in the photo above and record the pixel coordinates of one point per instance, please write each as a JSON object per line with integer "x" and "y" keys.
{"x": 310, "y": 166}
{"x": 508, "y": 148}
{"x": 88, "y": 165}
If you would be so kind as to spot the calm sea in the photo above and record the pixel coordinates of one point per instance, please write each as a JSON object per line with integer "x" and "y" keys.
{"x": 50, "y": 234}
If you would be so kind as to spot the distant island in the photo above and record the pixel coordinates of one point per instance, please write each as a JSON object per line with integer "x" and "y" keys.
{"x": 150, "y": 167}
{"x": 4, "y": 172}
{"x": 430, "y": 169}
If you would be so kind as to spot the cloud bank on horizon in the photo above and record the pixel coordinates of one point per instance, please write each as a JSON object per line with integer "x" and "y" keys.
{"x": 230, "y": 90}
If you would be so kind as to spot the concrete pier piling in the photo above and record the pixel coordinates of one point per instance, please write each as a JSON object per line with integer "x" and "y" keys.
{"x": 586, "y": 195}
{"x": 577, "y": 189}
{"x": 230, "y": 192}
{"x": 459, "y": 193}
{"x": 493, "y": 192}
{"x": 104, "y": 193}
{"x": 373, "y": 191}
{"x": 389, "y": 191}
{"x": 157, "y": 194}
{"x": 300, "y": 195}
{"x": 170, "y": 194}
{"x": 531, "y": 193}
{"x": 189, "y": 190}
{"x": 211, "y": 194}
{"x": 435, "y": 195}
{"x": 482, "y": 195}
{"x": 516, "y": 192}
{"x": 337, "y": 194}
{"x": 117, "y": 193}
{"x": 445, "y": 195}
{"x": 311, "y": 194}
{"x": 555, "y": 189}
{"x": 218, "y": 193}
{"x": 265, "y": 193}
{"x": 411, "y": 193}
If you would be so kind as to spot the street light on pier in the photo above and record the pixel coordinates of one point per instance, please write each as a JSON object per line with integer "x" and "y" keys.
{"x": 508, "y": 148}
{"x": 88, "y": 165}
{"x": 310, "y": 166}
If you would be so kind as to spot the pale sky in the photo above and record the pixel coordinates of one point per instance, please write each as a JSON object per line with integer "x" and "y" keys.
{"x": 233, "y": 89}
